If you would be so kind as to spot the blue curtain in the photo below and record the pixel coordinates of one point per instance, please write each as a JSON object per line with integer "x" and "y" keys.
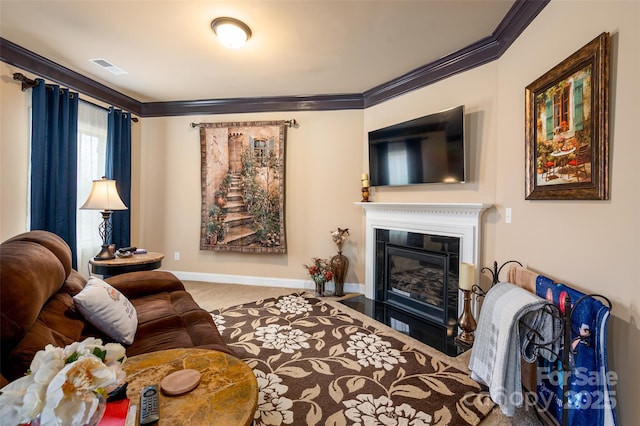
{"x": 54, "y": 152}
{"x": 119, "y": 168}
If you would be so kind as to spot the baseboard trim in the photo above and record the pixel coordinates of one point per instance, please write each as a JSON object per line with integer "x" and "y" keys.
{"x": 260, "y": 281}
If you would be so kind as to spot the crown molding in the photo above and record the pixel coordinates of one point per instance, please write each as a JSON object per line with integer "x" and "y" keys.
{"x": 479, "y": 53}
{"x": 246, "y": 105}
{"x": 29, "y": 61}
{"x": 521, "y": 14}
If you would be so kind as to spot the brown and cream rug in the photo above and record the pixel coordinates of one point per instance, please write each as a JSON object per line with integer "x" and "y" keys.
{"x": 317, "y": 365}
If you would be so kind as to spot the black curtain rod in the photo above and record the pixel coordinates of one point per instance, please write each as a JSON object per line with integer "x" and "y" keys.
{"x": 134, "y": 119}
{"x": 28, "y": 83}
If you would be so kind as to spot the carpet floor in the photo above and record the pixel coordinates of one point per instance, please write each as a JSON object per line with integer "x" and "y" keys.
{"x": 321, "y": 381}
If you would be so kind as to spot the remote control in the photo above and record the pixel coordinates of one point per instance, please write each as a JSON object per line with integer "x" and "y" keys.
{"x": 149, "y": 405}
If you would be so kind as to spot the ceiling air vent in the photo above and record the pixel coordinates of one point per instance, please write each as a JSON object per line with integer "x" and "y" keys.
{"x": 108, "y": 66}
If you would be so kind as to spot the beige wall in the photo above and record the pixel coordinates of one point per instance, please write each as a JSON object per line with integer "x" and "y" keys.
{"x": 592, "y": 245}
{"x": 323, "y": 168}
{"x": 476, "y": 90}
{"x": 14, "y": 154}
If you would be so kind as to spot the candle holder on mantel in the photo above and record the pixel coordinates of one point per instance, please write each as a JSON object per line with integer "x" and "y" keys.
{"x": 365, "y": 188}
{"x": 365, "y": 194}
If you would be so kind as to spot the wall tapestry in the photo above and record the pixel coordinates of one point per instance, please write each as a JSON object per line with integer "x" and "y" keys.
{"x": 566, "y": 113}
{"x": 243, "y": 186}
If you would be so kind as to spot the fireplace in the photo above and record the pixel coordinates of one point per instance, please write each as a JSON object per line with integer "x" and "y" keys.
{"x": 412, "y": 258}
{"x": 418, "y": 273}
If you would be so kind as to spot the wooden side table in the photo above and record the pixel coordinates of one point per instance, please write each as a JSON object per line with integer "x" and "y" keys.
{"x": 121, "y": 265}
{"x": 227, "y": 393}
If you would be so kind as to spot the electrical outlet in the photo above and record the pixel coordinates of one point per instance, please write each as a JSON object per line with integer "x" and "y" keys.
{"x": 176, "y": 255}
{"x": 507, "y": 215}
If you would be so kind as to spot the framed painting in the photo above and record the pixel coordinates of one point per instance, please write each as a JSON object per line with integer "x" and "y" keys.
{"x": 243, "y": 187}
{"x": 566, "y": 134}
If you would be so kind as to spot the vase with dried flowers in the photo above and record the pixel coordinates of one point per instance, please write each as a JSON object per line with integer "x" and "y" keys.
{"x": 66, "y": 386}
{"x": 320, "y": 272}
{"x": 339, "y": 262}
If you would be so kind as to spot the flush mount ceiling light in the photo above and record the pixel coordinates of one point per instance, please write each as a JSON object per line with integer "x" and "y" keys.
{"x": 231, "y": 32}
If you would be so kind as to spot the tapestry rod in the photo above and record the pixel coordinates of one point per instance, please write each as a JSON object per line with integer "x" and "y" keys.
{"x": 289, "y": 123}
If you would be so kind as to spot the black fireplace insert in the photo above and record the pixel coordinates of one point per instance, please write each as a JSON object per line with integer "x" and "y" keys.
{"x": 418, "y": 274}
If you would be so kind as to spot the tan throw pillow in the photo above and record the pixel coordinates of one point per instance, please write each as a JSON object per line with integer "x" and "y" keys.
{"x": 108, "y": 310}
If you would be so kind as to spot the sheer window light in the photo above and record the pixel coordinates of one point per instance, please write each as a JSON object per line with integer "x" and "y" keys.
{"x": 92, "y": 149}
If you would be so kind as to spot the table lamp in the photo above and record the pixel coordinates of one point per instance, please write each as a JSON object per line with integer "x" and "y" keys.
{"x": 104, "y": 196}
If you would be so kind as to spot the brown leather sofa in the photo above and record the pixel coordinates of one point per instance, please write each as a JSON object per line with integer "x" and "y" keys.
{"x": 37, "y": 284}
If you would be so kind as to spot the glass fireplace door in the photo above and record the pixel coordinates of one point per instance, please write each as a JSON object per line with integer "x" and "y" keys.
{"x": 417, "y": 281}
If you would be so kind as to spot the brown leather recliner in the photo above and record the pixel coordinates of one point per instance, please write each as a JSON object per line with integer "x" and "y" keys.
{"x": 37, "y": 284}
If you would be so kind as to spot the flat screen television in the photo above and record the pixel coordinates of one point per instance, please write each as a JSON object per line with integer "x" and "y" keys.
{"x": 428, "y": 149}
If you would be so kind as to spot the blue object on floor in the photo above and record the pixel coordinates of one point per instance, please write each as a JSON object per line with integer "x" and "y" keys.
{"x": 590, "y": 399}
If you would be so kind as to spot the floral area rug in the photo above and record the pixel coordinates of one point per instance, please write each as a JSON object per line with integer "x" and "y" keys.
{"x": 316, "y": 365}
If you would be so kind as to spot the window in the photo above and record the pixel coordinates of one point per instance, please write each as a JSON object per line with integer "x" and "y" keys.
{"x": 263, "y": 150}
{"x": 92, "y": 151}
{"x": 260, "y": 151}
{"x": 562, "y": 108}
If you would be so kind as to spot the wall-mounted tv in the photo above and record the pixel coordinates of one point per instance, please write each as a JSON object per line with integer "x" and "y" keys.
{"x": 429, "y": 149}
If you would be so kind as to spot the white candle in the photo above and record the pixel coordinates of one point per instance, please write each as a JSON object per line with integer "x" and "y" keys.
{"x": 365, "y": 176}
{"x": 365, "y": 183}
{"x": 467, "y": 276}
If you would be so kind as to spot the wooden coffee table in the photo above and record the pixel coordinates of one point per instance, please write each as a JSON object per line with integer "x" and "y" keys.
{"x": 227, "y": 393}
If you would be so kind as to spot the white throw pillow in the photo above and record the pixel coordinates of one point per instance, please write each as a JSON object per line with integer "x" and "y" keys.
{"x": 108, "y": 310}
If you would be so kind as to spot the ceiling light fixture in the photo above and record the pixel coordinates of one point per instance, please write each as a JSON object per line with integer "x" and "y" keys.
{"x": 231, "y": 32}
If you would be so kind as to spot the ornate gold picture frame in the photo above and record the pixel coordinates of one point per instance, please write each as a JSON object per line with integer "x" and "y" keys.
{"x": 567, "y": 123}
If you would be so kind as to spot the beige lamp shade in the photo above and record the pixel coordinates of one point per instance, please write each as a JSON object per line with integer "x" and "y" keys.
{"x": 104, "y": 196}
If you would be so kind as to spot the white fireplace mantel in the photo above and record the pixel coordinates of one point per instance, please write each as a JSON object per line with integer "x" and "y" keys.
{"x": 462, "y": 220}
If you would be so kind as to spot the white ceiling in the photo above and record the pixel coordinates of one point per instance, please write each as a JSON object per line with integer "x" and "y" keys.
{"x": 298, "y": 47}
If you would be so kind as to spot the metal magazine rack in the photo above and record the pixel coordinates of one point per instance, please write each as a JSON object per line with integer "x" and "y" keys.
{"x": 564, "y": 316}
